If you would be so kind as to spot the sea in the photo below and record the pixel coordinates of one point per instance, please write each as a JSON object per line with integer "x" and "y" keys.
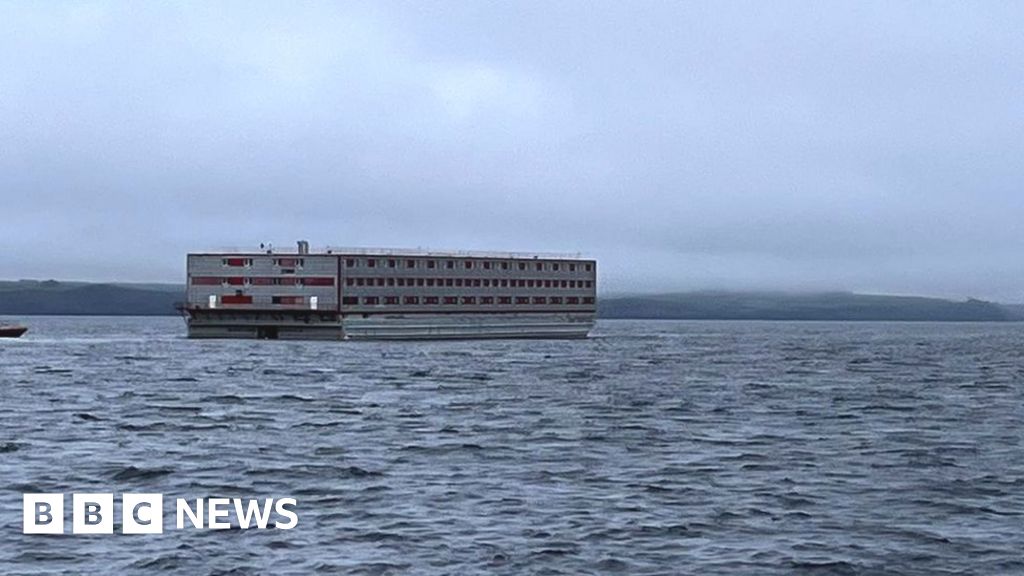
{"x": 653, "y": 447}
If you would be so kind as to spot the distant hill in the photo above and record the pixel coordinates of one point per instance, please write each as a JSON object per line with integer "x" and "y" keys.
{"x": 30, "y": 297}
{"x": 786, "y": 306}
{"x": 1016, "y": 311}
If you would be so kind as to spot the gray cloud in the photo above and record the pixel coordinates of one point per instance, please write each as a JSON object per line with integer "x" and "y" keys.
{"x": 797, "y": 145}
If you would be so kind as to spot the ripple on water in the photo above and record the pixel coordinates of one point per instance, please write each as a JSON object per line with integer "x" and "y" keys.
{"x": 652, "y": 448}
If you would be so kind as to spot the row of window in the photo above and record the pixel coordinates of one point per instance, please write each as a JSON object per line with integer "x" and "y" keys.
{"x": 262, "y": 281}
{"x": 247, "y": 262}
{"x": 429, "y": 264}
{"x": 247, "y": 299}
{"x": 474, "y": 282}
{"x": 427, "y": 282}
{"x": 466, "y": 264}
{"x": 463, "y": 300}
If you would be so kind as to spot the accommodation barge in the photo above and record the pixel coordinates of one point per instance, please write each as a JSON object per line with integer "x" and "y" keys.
{"x": 340, "y": 294}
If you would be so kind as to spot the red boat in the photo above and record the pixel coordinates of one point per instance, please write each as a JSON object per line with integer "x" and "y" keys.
{"x": 12, "y": 331}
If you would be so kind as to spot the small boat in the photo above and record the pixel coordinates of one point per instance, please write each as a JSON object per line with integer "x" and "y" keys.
{"x": 7, "y": 331}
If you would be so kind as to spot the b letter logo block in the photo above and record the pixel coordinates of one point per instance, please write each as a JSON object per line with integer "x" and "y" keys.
{"x": 92, "y": 514}
{"x": 43, "y": 514}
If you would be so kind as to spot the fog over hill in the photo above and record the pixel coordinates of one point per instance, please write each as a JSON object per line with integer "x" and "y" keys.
{"x": 79, "y": 298}
{"x": 713, "y": 305}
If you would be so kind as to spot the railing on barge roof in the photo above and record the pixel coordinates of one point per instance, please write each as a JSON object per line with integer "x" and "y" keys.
{"x": 449, "y": 253}
{"x": 345, "y": 250}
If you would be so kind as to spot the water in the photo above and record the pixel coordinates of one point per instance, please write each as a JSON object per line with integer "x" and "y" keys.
{"x": 652, "y": 448}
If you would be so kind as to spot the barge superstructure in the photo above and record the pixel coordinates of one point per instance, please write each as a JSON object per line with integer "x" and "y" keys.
{"x": 340, "y": 294}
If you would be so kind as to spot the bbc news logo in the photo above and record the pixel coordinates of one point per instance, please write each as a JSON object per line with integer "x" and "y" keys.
{"x": 93, "y": 513}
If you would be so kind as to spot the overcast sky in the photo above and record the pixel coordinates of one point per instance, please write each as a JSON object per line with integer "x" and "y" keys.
{"x": 868, "y": 146}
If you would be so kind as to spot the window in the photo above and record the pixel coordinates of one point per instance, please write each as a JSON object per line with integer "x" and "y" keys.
{"x": 391, "y": 281}
{"x": 401, "y": 281}
{"x": 572, "y": 283}
{"x": 555, "y": 300}
{"x": 540, "y": 300}
{"x": 469, "y": 264}
{"x": 431, "y": 300}
{"x": 539, "y": 265}
{"x": 504, "y": 299}
{"x": 448, "y": 282}
{"x": 391, "y": 263}
{"x": 285, "y": 281}
{"x": 287, "y": 270}
{"x": 589, "y": 267}
{"x": 236, "y": 281}
{"x": 359, "y": 281}
{"x": 391, "y": 300}
{"x": 419, "y": 281}
{"x": 350, "y": 263}
{"x": 522, "y": 300}
{"x": 521, "y": 282}
{"x": 547, "y": 283}
{"x": 410, "y": 263}
{"x": 350, "y": 281}
{"x": 504, "y": 265}
{"x": 449, "y": 264}
{"x": 289, "y": 262}
{"x": 237, "y": 261}
{"x": 205, "y": 281}
{"x": 371, "y": 300}
{"x": 287, "y": 300}
{"x": 529, "y": 283}
{"x": 412, "y": 300}
{"x": 487, "y": 265}
{"x": 504, "y": 283}
{"x": 430, "y": 281}
{"x": 487, "y": 300}
{"x": 349, "y": 300}
{"x": 476, "y": 282}
{"x": 451, "y": 300}
{"x": 371, "y": 263}
{"x": 320, "y": 281}
{"x": 380, "y": 281}
{"x": 522, "y": 265}
{"x": 554, "y": 266}
{"x": 431, "y": 264}
{"x": 588, "y": 300}
{"x": 458, "y": 281}
{"x": 572, "y": 267}
{"x": 572, "y": 300}
{"x": 487, "y": 283}
{"x": 589, "y": 284}
{"x": 565, "y": 283}
{"x": 469, "y": 299}
{"x": 235, "y": 299}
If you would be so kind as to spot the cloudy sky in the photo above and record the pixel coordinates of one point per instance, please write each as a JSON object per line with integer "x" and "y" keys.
{"x": 868, "y": 146}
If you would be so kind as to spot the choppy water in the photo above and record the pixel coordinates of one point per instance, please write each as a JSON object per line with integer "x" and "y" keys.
{"x": 652, "y": 448}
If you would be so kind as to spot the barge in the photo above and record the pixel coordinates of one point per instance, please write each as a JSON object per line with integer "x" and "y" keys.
{"x": 342, "y": 294}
